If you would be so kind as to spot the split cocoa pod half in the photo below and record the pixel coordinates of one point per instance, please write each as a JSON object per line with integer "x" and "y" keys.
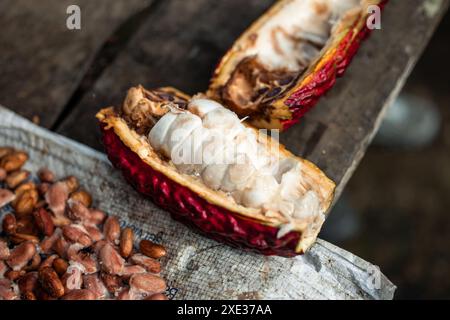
{"x": 290, "y": 57}
{"x": 196, "y": 159}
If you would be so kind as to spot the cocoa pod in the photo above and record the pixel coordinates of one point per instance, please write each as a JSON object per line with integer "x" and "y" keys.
{"x": 21, "y": 255}
{"x": 151, "y": 249}
{"x": 126, "y": 242}
{"x": 13, "y": 161}
{"x": 50, "y": 281}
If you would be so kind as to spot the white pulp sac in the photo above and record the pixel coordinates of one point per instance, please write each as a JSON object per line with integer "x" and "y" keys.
{"x": 284, "y": 41}
{"x": 210, "y": 141}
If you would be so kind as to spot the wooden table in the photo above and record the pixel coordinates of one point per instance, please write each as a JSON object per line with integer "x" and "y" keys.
{"x": 62, "y": 77}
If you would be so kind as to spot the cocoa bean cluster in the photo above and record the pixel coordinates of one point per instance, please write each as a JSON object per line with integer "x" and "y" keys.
{"x": 55, "y": 245}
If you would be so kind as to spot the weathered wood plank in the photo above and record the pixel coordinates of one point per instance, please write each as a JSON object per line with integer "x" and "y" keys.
{"x": 42, "y": 62}
{"x": 180, "y": 43}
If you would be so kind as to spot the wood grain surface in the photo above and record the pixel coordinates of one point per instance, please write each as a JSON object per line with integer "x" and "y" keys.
{"x": 42, "y": 61}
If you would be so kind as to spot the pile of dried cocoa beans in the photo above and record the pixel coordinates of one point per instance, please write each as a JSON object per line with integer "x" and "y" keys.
{"x": 54, "y": 245}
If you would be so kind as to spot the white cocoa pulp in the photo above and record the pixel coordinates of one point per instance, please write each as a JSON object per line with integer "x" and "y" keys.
{"x": 292, "y": 38}
{"x": 209, "y": 141}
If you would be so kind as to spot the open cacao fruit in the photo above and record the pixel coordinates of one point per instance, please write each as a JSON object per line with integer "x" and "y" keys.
{"x": 290, "y": 57}
{"x": 197, "y": 160}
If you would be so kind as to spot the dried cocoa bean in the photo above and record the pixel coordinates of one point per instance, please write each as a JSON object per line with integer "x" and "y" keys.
{"x": 9, "y": 224}
{"x": 13, "y": 161}
{"x": 151, "y": 249}
{"x": 56, "y": 198}
{"x": 43, "y": 221}
{"x": 3, "y": 174}
{"x": 48, "y": 242}
{"x": 13, "y": 275}
{"x": 150, "y": 264}
{"x": 147, "y": 283}
{"x": 81, "y": 294}
{"x": 72, "y": 183}
{"x": 4, "y": 250}
{"x": 158, "y": 296}
{"x": 77, "y": 234}
{"x": 82, "y": 197}
{"x": 110, "y": 260}
{"x": 50, "y": 281}
{"x": 45, "y": 175}
{"x": 25, "y": 203}
{"x": 6, "y": 197}
{"x": 111, "y": 229}
{"x": 60, "y": 266}
{"x": 93, "y": 283}
{"x": 21, "y": 255}
{"x": 126, "y": 242}
{"x": 17, "y": 177}
{"x": 19, "y": 238}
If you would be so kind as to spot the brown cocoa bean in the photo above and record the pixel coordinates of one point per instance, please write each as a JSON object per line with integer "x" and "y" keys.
{"x": 151, "y": 249}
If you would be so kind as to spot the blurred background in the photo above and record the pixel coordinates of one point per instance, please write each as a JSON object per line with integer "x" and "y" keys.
{"x": 395, "y": 210}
